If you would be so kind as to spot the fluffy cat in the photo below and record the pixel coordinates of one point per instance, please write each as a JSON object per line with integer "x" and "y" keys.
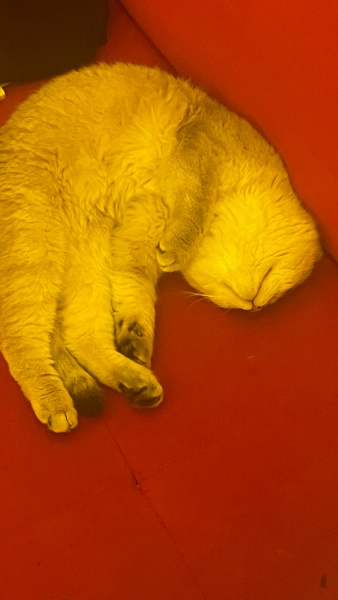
{"x": 109, "y": 176}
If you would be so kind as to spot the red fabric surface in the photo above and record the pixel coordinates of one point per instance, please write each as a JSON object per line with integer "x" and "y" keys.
{"x": 229, "y": 489}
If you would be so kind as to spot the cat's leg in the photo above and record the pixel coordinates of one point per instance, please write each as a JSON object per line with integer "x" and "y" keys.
{"x": 191, "y": 190}
{"x": 134, "y": 316}
{"x": 85, "y": 391}
{"x": 182, "y": 232}
{"x": 31, "y": 271}
{"x": 88, "y": 325}
{"x": 134, "y": 274}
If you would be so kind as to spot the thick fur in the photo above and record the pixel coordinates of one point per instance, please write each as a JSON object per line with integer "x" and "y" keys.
{"x": 109, "y": 176}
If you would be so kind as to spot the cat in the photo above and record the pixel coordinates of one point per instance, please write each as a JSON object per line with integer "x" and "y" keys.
{"x": 110, "y": 176}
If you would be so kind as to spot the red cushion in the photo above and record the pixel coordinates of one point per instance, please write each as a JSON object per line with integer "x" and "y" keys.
{"x": 229, "y": 489}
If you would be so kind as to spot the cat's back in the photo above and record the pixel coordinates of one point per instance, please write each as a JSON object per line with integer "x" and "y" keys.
{"x": 85, "y": 133}
{"x": 98, "y": 97}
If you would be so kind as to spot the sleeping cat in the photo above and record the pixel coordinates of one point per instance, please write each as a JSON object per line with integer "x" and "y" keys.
{"x": 109, "y": 176}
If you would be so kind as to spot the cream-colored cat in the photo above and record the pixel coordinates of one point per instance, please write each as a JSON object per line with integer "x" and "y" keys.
{"x": 108, "y": 177}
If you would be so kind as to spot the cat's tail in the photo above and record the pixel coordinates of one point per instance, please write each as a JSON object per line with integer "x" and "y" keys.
{"x": 85, "y": 391}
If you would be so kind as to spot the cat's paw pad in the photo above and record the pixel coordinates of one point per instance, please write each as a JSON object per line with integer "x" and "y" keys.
{"x": 132, "y": 340}
{"x": 169, "y": 253}
{"x": 142, "y": 392}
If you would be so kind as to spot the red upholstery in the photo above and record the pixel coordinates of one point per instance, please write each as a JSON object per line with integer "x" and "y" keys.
{"x": 229, "y": 489}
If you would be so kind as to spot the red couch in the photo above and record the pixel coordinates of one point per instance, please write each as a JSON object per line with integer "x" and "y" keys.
{"x": 230, "y": 489}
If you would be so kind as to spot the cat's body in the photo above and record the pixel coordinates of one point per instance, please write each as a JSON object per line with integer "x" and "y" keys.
{"x": 109, "y": 176}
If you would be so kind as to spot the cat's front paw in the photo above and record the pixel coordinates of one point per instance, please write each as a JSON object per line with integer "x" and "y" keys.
{"x": 133, "y": 340}
{"x": 170, "y": 253}
{"x": 142, "y": 391}
{"x": 176, "y": 245}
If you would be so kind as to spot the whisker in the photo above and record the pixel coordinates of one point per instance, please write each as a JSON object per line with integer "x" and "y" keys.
{"x": 209, "y": 297}
{"x": 197, "y": 300}
{"x": 212, "y": 300}
{"x": 200, "y": 296}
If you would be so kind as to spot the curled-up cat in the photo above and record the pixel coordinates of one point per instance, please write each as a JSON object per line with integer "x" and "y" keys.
{"x": 109, "y": 176}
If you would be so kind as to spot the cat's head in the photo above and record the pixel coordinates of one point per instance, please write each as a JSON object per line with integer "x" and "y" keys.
{"x": 260, "y": 243}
